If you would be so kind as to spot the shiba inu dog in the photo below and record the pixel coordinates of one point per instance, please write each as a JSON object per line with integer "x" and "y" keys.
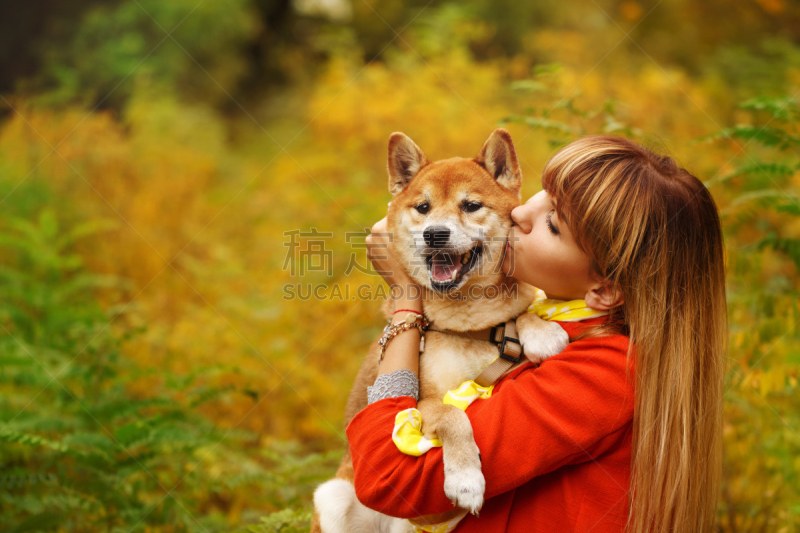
{"x": 450, "y": 221}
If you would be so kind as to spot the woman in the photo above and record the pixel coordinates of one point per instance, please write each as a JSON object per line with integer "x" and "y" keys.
{"x": 622, "y": 430}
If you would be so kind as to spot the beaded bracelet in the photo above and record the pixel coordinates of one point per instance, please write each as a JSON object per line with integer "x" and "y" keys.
{"x": 392, "y": 330}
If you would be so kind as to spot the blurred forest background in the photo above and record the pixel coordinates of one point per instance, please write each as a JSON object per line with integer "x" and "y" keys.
{"x": 165, "y": 167}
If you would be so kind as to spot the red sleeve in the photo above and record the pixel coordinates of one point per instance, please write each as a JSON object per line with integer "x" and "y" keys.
{"x": 572, "y": 408}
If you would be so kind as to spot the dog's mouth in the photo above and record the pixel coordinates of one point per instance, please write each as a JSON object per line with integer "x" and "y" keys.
{"x": 446, "y": 269}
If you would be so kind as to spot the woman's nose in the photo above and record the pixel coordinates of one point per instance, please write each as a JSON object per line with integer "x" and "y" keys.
{"x": 520, "y": 218}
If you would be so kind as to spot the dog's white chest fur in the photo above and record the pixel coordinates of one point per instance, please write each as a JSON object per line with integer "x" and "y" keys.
{"x": 457, "y": 360}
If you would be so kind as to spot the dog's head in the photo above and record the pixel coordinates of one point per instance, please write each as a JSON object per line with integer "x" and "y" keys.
{"x": 450, "y": 219}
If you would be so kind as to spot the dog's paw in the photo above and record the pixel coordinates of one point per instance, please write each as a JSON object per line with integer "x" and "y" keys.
{"x": 465, "y": 488}
{"x": 540, "y": 339}
{"x": 464, "y": 484}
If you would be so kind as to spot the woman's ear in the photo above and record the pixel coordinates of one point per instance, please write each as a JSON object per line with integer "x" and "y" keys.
{"x": 603, "y": 296}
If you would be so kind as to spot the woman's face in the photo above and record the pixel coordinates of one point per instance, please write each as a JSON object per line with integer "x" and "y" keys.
{"x": 541, "y": 251}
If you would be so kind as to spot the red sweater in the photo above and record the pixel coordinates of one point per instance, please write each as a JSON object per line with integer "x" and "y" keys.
{"x": 555, "y": 443}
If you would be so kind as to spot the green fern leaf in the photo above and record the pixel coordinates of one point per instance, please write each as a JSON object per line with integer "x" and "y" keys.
{"x": 783, "y": 109}
{"x": 767, "y": 136}
{"x": 32, "y": 440}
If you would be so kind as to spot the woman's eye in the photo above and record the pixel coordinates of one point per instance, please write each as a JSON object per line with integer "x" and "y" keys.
{"x": 548, "y": 219}
{"x": 471, "y": 207}
{"x": 423, "y": 208}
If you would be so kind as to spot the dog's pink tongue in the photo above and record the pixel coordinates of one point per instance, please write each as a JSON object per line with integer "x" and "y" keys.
{"x": 444, "y": 265}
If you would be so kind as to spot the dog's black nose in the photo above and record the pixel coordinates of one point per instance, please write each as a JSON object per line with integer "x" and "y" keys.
{"x": 436, "y": 236}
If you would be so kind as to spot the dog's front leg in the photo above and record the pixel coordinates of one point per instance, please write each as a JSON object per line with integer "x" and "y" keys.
{"x": 540, "y": 339}
{"x": 463, "y": 480}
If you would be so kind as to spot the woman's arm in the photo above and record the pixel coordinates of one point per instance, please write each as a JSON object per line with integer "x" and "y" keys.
{"x": 569, "y": 410}
{"x": 402, "y": 352}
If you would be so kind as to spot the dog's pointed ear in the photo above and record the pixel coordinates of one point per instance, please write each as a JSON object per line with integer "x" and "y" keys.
{"x": 500, "y": 159}
{"x": 405, "y": 160}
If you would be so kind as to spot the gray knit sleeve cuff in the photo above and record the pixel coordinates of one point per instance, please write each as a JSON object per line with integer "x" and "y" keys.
{"x": 394, "y": 384}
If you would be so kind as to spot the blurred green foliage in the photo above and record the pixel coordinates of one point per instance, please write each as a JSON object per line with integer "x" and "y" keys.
{"x": 154, "y": 155}
{"x": 761, "y": 221}
{"x": 88, "y": 454}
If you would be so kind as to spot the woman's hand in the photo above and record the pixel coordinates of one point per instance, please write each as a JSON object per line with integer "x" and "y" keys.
{"x": 386, "y": 264}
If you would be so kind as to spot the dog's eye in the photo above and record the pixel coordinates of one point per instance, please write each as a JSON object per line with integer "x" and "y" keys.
{"x": 423, "y": 208}
{"x": 471, "y": 207}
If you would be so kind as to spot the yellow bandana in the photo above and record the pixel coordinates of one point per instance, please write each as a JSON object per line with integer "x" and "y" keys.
{"x": 562, "y": 310}
{"x": 407, "y": 434}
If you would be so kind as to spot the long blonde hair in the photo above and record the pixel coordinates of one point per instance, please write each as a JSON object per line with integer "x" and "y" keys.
{"x": 653, "y": 229}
